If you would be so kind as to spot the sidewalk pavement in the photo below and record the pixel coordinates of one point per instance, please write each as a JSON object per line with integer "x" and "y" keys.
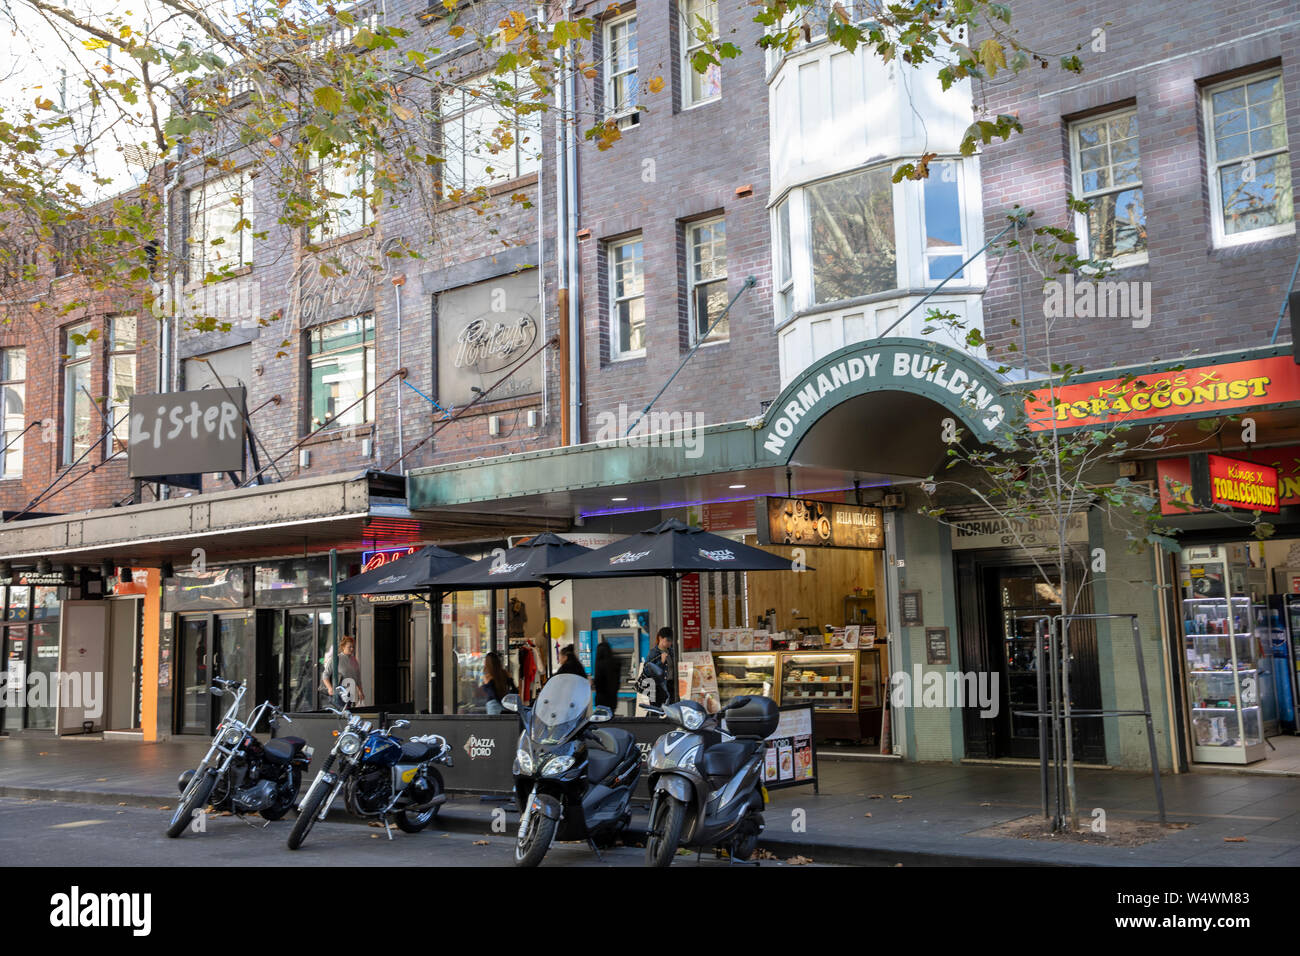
{"x": 936, "y": 824}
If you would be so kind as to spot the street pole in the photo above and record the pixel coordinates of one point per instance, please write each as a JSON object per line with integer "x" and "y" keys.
{"x": 334, "y": 616}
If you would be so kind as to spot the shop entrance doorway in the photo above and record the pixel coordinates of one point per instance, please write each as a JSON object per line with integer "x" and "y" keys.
{"x": 124, "y": 658}
{"x": 1000, "y": 600}
{"x": 213, "y": 645}
{"x": 393, "y": 689}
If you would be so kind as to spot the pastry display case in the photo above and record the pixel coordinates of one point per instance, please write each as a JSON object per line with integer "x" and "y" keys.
{"x": 827, "y": 680}
{"x": 744, "y": 673}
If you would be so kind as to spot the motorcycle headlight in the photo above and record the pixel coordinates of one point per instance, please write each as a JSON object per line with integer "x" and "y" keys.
{"x": 232, "y": 736}
{"x": 556, "y": 766}
{"x": 349, "y": 744}
{"x": 524, "y": 760}
{"x": 691, "y": 718}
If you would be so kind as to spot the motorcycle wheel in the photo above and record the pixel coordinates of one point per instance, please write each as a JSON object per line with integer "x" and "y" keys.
{"x": 535, "y": 841}
{"x": 195, "y": 799}
{"x": 282, "y": 806}
{"x": 745, "y": 846}
{"x": 311, "y": 805}
{"x": 665, "y": 832}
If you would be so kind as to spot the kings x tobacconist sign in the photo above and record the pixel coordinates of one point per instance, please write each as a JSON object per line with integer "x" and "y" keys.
{"x": 186, "y": 432}
{"x": 1203, "y": 390}
{"x": 1187, "y": 485}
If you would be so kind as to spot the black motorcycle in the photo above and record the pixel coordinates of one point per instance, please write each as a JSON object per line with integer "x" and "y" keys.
{"x": 573, "y": 781}
{"x": 706, "y": 778}
{"x": 379, "y": 775}
{"x": 239, "y": 772}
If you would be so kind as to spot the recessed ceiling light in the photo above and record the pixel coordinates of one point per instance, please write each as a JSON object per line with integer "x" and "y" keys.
{"x": 735, "y": 486}
{"x": 618, "y": 499}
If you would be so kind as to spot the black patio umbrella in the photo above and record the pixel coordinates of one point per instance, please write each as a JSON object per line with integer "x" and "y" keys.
{"x": 670, "y": 549}
{"x": 525, "y": 565}
{"x": 411, "y": 573}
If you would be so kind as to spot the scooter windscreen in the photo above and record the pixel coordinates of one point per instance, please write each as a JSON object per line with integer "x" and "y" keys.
{"x": 562, "y": 707}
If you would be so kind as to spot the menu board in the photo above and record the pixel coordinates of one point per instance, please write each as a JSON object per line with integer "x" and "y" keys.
{"x": 690, "y": 605}
{"x": 936, "y": 646}
{"x": 702, "y": 679}
{"x": 909, "y": 608}
{"x": 790, "y": 759}
{"x": 825, "y": 524}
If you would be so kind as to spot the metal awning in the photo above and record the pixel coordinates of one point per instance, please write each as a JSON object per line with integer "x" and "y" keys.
{"x": 288, "y": 519}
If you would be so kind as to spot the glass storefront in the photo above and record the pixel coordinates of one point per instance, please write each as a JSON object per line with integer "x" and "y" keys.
{"x": 30, "y": 649}
{"x": 473, "y": 636}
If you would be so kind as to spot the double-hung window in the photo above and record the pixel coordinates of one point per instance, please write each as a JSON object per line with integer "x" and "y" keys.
{"x": 706, "y": 280}
{"x": 945, "y": 249}
{"x": 627, "y": 299}
{"x": 341, "y": 363}
{"x": 221, "y": 218}
{"x": 342, "y": 187}
{"x": 121, "y": 377}
{"x": 699, "y": 24}
{"x": 1250, "y": 164}
{"x": 486, "y": 138}
{"x": 13, "y": 394}
{"x": 77, "y": 402}
{"x": 1107, "y": 174}
{"x": 621, "y": 91}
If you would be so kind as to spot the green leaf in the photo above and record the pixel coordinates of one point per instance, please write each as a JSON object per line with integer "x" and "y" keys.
{"x": 328, "y": 98}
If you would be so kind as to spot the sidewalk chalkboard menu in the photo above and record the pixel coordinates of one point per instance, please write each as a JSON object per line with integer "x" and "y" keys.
{"x": 909, "y": 608}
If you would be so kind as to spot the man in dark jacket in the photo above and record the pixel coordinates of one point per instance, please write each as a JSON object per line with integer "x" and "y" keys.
{"x": 662, "y": 656}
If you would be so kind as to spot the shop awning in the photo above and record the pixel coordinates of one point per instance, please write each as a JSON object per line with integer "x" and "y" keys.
{"x": 351, "y": 511}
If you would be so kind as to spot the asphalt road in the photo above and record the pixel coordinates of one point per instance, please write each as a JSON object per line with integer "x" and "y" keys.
{"x": 49, "y": 833}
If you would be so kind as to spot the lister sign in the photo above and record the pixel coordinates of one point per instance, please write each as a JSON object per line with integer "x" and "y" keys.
{"x": 186, "y": 432}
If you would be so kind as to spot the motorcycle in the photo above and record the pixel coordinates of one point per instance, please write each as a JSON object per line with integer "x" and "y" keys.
{"x": 706, "y": 779}
{"x": 239, "y": 772}
{"x": 379, "y": 775}
{"x": 572, "y": 781}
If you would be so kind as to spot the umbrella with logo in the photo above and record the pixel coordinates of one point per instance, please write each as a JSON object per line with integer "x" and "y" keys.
{"x": 670, "y": 549}
{"x": 525, "y": 565}
{"x": 411, "y": 573}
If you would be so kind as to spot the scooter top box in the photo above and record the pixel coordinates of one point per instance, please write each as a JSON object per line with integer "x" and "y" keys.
{"x": 756, "y": 717}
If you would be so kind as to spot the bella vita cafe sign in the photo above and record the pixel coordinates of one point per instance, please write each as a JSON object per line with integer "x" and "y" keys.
{"x": 1189, "y": 485}
{"x": 1189, "y": 391}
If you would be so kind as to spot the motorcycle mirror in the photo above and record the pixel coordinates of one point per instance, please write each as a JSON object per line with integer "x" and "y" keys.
{"x": 511, "y": 703}
{"x": 601, "y": 714}
{"x": 216, "y": 691}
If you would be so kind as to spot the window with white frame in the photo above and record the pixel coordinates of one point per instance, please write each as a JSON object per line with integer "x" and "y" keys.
{"x": 945, "y": 248}
{"x": 342, "y": 186}
{"x": 621, "y": 91}
{"x": 851, "y": 233}
{"x": 121, "y": 376}
{"x": 221, "y": 225}
{"x": 706, "y": 280}
{"x": 1107, "y": 174}
{"x": 784, "y": 263}
{"x": 486, "y": 137}
{"x": 13, "y": 394}
{"x": 341, "y": 364}
{"x": 77, "y": 401}
{"x": 699, "y": 24}
{"x": 1250, "y": 164}
{"x": 626, "y": 299}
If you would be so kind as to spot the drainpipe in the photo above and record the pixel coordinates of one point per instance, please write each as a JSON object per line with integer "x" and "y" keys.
{"x": 541, "y": 253}
{"x": 398, "y": 282}
{"x": 571, "y": 172}
{"x": 562, "y": 263}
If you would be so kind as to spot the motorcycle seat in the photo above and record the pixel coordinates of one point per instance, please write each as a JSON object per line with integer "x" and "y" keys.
{"x": 726, "y": 759}
{"x": 418, "y": 753}
{"x": 613, "y": 740}
{"x": 283, "y": 749}
{"x": 600, "y": 763}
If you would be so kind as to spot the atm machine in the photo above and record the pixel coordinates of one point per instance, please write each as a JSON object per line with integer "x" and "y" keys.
{"x": 627, "y": 632}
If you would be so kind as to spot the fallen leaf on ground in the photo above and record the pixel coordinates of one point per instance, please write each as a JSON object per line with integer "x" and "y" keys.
{"x": 374, "y": 836}
{"x": 877, "y": 796}
{"x": 482, "y": 843}
{"x": 902, "y": 796}
{"x": 121, "y": 804}
{"x": 764, "y": 855}
{"x": 798, "y": 861}
{"x": 866, "y": 814}
{"x": 374, "y": 823}
{"x": 43, "y": 753}
{"x": 897, "y": 865}
{"x": 101, "y": 780}
{"x": 164, "y": 808}
{"x": 1235, "y": 840}
{"x": 986, "y": 804}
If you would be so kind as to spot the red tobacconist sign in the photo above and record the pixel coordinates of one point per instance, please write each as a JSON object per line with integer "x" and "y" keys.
{"x": 1243, "y": 484}
{"x": 1253, "y": 486}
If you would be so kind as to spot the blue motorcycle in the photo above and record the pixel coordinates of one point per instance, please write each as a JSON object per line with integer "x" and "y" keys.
{"x": 379, "y": 775}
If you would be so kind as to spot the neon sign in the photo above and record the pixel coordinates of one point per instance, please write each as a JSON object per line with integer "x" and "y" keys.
{"x": 377, "y": 559}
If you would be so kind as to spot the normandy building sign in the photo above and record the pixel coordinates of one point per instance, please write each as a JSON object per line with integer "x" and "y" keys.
{"x": 953, "y": 379}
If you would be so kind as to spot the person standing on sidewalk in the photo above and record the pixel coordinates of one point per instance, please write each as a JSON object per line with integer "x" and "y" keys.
{"x": 662, "y": 655}
{"x": 349, "y": 670}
